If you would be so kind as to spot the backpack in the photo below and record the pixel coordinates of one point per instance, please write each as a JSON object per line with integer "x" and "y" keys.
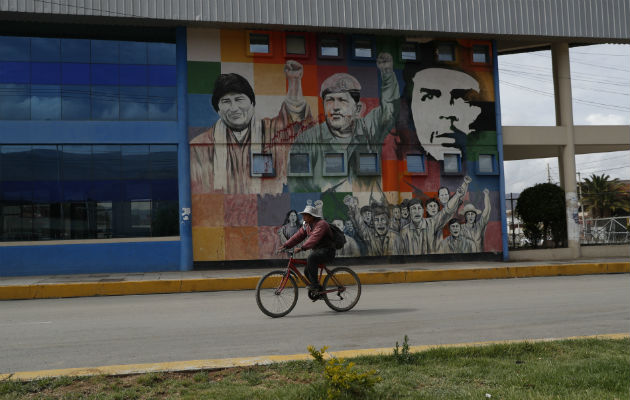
{"x": 338, "y": 237}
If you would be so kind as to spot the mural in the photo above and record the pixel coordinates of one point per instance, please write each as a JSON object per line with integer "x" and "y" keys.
{"x": 399, "y": 152}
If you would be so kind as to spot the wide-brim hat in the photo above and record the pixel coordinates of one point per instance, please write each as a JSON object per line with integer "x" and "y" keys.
{"x": 469, "y": 208}
{"x": 311, "y": 211}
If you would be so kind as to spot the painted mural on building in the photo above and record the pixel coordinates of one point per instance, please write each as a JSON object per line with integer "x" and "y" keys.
{"x": 395, "y": 141}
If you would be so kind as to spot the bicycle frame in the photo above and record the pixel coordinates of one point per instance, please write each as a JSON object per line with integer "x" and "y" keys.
{"x": 291, "y": 267}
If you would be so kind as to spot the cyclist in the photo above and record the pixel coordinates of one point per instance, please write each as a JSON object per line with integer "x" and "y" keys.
{"x": 320, "y": 240}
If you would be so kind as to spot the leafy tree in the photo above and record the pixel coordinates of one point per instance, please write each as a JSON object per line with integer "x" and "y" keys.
{"x": 604, "y": 197}
{"x": 543, "y": 212}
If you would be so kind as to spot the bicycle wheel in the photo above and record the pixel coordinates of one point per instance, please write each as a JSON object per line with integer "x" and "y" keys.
{"x": 346, "y": 286}
{"x": 273, "y": 300}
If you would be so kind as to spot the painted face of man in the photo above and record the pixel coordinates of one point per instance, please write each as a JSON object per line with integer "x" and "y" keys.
{"x": 443, "y": 195}
{"x": 367, "y": 216}
{"x": 470, "y": 217}
{"x": 415, "y": 211}
{"x": 380, "y": 223}
{"x": 440, "y": 109}
{"x": 432, "y": 208}
{"x": 338, "y": 223}
{"x": 396, "y": 213}
{"x": 236, "y": 110}
{"x": 455, "y": 229}
{"x": 341, "y": 111}
{"x": 404, "y": 212}
{"x": 349, "y": 226}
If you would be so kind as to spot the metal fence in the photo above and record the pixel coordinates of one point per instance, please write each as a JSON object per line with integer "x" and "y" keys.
{"x": 605, "y": 231}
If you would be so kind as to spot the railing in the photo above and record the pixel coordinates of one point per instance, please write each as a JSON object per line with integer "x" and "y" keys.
{"x": 605, "y": 231}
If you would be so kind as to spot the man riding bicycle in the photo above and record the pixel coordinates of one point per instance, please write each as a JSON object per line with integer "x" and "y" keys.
{"x": 320, "y": 240}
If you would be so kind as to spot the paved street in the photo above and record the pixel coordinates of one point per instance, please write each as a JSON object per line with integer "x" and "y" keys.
{"x": 83, "y": 332}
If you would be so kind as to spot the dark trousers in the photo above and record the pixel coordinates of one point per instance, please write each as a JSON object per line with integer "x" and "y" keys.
{"x": 317, "y": 256}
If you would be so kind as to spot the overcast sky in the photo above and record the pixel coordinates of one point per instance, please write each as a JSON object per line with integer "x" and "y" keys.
{"x": 600, "y": 77}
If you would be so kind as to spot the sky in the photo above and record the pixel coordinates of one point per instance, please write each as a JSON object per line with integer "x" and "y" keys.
{"x": 600, "y": 83}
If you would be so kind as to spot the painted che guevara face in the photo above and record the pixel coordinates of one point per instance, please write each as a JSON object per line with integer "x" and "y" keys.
{"x": 432, "y": 208}
{"x": 455, "y": 228}
{"x": 341, "y": 111}
{"x": 236, "y": 110}
{"x": 380, "y": 224}
{"x": 440, "y": 109}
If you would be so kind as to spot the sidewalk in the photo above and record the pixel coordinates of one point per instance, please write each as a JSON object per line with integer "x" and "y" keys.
{"x": 57, "y": 286}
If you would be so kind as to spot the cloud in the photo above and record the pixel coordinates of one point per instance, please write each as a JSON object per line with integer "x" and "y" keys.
{"x": 607, "y": 119}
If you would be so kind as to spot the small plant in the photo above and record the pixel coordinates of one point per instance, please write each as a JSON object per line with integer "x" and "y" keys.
{"x": 402, "y": 354}
{"x": 318, "y": 355}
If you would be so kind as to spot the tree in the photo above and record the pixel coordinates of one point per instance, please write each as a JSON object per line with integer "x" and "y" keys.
{"x": 604, "y": 197}
{"x": 543, "y": 212}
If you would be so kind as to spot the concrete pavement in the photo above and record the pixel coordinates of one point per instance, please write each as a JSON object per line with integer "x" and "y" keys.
{"x": 58, "y": 286}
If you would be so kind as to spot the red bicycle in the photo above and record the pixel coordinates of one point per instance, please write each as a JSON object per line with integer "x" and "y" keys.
{"x": 277, "y": 291}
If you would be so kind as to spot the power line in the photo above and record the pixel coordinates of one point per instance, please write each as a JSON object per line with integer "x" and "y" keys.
{"x": 54, "y": 3}
{"x": 585, "y": 63}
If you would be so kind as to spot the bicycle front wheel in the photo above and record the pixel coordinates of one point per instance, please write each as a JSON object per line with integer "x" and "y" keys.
{"x": 275, "y": 295}
{"x": 345, "y": 289}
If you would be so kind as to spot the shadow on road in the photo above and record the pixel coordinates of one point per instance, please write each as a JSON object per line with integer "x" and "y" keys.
{"x": 359, "y": 312}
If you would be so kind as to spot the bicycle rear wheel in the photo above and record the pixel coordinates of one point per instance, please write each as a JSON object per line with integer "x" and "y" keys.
{"x": 346, "y": 286}
{"x": 274, "y": 300}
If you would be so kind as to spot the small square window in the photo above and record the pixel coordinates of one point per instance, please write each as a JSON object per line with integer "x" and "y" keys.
{"x": 296, "y": 45}
{"x": 363, "y": 48}
{"x": 299, "y": 164}
{"x": 368, "y": 163}
{"x": 446, "y": 52}
{"x": 486, "y": 163}
{"x": 415, "y": 163}
{"x": 259, "y": 43}
{"x": 481, "y": 54}
{"x": 452, "y": 163}
{"x": 335, "y": 164}
{"x": 330, "y": 47}
{"x": 262, "y": 165}
{"x": 408, "y": 52}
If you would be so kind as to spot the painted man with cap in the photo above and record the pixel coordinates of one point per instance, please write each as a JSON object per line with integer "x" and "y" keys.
{"x": 220, "y": 157}
{"x": 473, "y": 229}
{"x": 456, "y": 242}
{"x": 345, "y": 131}
{"x": 320, "y": 242}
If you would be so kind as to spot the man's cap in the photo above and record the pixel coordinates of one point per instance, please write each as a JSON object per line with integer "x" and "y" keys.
{"x": 340, "y": 82}
{"x": 311, "y": 211}
{"x": 469, "y": 208}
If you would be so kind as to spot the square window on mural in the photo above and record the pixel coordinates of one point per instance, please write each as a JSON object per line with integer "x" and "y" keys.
{"x": 415, "y": 164}
{"x": 335, "y": 164}
{"x": 259, "y": 43}
{"x": 368, "y": 164}
{"x": 262, "y": 165}
{"x": 300, "y": 164}
{"x": 362, "y": 48}
{"x": 485, "y": 164}
{"x": 295, "y": 45}
{"x": 330, "y": 47}
{"x": 480, "y": 54}
{"x": 408, "y": 52}
{"x": 445, "y": 52}
{"x": 452, "y": 163}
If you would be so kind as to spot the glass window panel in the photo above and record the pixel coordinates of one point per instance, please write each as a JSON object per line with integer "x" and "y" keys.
{"x": 15, "y": 72}
{"x": 408, "y": 52}
{"x": 106, "y": 162}
{"x": 46, "y": 73}
{"x": 446, "y": 52}
{"x": 363, "y": 48}
{"x": 104, "y": 219}
{"x": 451, "y": 163}
{"x": 45, "y": 49}
{"x": 134, "y": 103}
{"x": 41, "y": 222}
{"x": 75, "y": 74}
{"x": 13, "y": 48}
{"x": 104, "y": 74}
{"x": 45, "y": 102}
{"x": 296, "y": 44}
{"x": 105, "y": 103}
{"x": 141, "y": 214}
{"x": 258, "y": 43}
{"x": 15, "y": 102}
{"x": 75, "y": 50}
{"x": 165, "y": 220}
{"x": 299, "y": 163}
{"x": 104, "y": 51}
{"x": 135, "y": 162}
{"x": 368, "y": 163}
{"x": 133, "y": 53}
{"x": 329, "y": 47}
{"x": 76, "y": 162}
{"x": 335, "y": 163}
{"x": 161, "y": 53}
{"x": 16, "y": 162}
{"x": 163, "y": 161}
{"x": 134, "y": 75}
{"x": 262, "y": 164}
{"x": 415, "y": 163}
{"x": 75, "y": 102}
{"x": 162, "y": 103}
{"x": 480, "y": 54}
{"x": 137, "y": 190}
{"x": 164, "y": 189}
{"x": 75, "y": 220}
{"x": 45, "y": 163}
{"x": 162, "y": 75}
{"x": 486, "y": 163}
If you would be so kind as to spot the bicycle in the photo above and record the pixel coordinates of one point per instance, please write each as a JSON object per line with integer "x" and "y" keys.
{"x": 277, "y": 291}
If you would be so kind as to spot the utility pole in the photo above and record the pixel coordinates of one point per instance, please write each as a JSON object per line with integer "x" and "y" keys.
{"x": 580, "y": 198}
{"x": 548, "y": 174}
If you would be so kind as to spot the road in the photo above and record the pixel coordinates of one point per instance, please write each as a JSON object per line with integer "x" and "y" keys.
{"x": 97, "y": 331}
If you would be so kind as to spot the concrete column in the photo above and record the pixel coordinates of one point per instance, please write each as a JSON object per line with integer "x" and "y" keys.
{"x": 566, "y": 160}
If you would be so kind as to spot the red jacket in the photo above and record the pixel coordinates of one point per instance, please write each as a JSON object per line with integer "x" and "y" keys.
{"x": 319, "y": 235}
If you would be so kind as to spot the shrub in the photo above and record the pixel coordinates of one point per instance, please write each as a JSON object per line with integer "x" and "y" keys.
{"x": 543, "y": 212}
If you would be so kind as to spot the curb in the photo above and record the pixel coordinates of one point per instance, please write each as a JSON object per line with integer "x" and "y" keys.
{"x": 222, "y": 363}
{"x": 61, "y": 290}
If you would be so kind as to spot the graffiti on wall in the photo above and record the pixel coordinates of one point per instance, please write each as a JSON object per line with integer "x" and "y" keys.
{"x": 401, "y": 155}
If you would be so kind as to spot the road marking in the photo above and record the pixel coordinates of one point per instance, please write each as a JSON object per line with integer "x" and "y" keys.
{"x": 222, "y": 363}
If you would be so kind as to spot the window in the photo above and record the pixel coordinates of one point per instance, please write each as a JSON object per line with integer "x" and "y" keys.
{"x": 485, "y": 163}
{"x": 446, "y": 52}
{"x": 300, "y": 164}
{"x": 330, "y": 47}
{"x": 452, "y": 163}
{"x": 295, "y": 45}
{"x": 368, "y": 164}
{"x": 480, "y": 54}
{"x": 262, "y": 165}
{"x": 259, "y": 43}
{"x": 408, "y": 52}
{"x": 362, "y": 49}
{"x": 335, "y": 164}
{"x": 415, "y": 163}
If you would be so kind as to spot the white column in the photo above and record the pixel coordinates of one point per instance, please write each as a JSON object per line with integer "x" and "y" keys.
{"x": 566, "y": 161}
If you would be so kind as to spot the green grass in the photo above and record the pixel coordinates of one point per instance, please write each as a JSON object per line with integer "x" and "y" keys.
{"x": 571, "y": 369}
